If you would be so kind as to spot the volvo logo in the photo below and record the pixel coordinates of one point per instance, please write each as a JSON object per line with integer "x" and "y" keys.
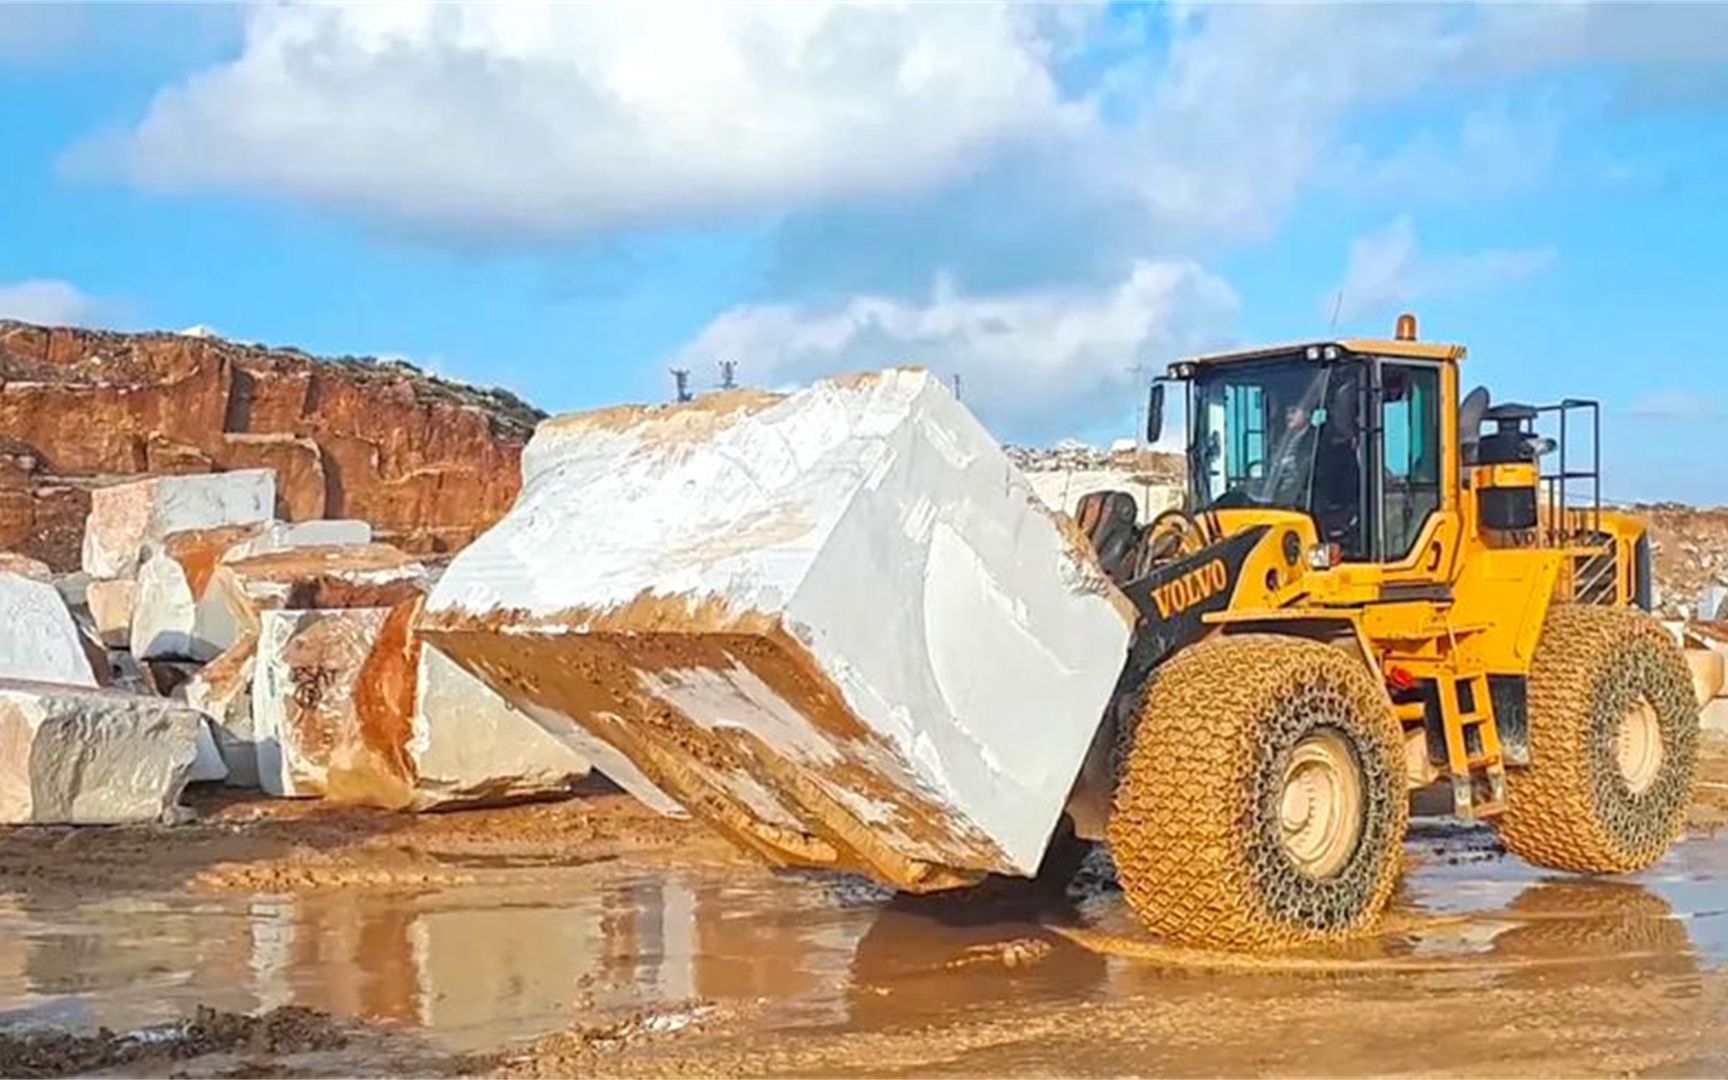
{"x": 1199, "y": 584}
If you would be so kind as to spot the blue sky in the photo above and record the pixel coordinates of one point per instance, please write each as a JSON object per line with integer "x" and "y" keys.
{"x": 568, "y": 200}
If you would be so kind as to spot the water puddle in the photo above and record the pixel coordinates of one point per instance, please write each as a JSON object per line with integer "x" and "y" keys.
{"x": 481, "y": 965}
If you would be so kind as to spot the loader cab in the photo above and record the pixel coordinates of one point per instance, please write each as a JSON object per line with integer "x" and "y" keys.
{"x": 1350, "y": 433}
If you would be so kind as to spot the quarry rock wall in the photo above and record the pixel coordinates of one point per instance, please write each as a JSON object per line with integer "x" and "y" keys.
{"x": 429, "y": 463}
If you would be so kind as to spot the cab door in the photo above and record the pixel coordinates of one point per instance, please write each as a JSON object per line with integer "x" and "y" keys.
{"x": 1406, "y": 483}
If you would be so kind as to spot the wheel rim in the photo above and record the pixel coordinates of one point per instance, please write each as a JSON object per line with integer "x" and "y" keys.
{"x": 1320, "y": 806}
{"x": 1638, "y": 746}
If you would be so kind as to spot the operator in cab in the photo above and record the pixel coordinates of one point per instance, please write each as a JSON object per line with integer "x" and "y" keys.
{"x": 1287, "y": 481}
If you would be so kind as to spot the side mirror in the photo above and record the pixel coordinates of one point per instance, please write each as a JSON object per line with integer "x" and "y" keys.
{"x": 1155, "y": 413}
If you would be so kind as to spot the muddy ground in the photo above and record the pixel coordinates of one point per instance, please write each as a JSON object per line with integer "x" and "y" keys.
{"x": 591, "y": 937}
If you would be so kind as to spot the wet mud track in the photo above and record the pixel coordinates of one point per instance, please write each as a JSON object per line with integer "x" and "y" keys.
{"x": 589, "y": 937}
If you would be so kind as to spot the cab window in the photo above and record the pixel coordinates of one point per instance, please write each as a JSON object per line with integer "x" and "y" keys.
{"x": 1410, "y": 421}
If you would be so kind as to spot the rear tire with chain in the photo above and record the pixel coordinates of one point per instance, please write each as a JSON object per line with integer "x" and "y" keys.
{"x": 1613, "y": 745}
{"x": 1260, "y": 798}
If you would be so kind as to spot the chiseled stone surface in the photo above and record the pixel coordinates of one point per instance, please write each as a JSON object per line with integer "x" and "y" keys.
{"x": 38, "y": 639}
{"x": 73, "y": 755}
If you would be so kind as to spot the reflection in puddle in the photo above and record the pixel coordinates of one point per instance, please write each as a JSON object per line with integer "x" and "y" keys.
{"x": 480, "y": 965}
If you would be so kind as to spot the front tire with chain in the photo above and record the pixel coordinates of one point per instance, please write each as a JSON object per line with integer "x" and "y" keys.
{"x": 1201, "y": 830}
{"x": 1613, "y": 745}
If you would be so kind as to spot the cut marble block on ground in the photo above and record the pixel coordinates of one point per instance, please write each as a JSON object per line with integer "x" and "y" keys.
{"x": 222, "y": 691}
{"x": 38, "y": 639}
{"x": 308, "y": 700}
{"x": 23, "y": 565}
{"x": 110, "y": 602}
{"x": 208, "y": 765}
{"x": 304, "y": 578}
{"x": 839, "y": 625}
{"x": 77, "y": 756}
{"x": 347, "y": 705}
{"x": 127, "y": 518}
{"x": 165, "y": 606}
{"x": 470, "y": 746}
{"x": 324, "y": 532}
{"x": 171, "y": 620}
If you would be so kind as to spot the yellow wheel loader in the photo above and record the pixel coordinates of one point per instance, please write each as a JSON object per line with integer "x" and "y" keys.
{"x": 839, "y": 626}
{"x": 1374, "y": 586}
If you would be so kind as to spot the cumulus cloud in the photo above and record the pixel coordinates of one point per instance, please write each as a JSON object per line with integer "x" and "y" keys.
{"x": 1033, "y": 363}
{"x": 1388, "y": 270}
{"x": 47, "y": 301}
{"x": 1212, "y": 126}
{"x": 1248, "y": 105}
{"x": 538, "y": 119}
{"x": 1494, "y": 151}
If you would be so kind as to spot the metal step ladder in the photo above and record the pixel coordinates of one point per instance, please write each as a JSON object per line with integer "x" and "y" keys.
{"x": 1472, "y": 746}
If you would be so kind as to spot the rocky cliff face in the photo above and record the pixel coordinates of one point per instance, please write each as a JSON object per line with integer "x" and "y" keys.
{"x": 428, "y": 462}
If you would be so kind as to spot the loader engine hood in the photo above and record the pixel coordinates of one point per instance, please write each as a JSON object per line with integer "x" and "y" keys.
{"x": 1173, "y": 599}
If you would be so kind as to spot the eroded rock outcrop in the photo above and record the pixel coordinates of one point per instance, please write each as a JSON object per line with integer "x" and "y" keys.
{"x": 428, "y": 462}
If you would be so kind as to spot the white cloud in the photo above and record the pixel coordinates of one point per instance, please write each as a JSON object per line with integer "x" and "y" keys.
{"x": 1387, "y": 270}
{"x": 1032, "y": 363}
{"x": 534, "y": 120}
{"x": 1249, "y": 103}
{"x": 1494, "y": 150}
{"x": 48, "y": 302}
{"x": 538, "y": 119}
{"x": 1673, "y": 403}
{"x": 1643, "y": 37}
